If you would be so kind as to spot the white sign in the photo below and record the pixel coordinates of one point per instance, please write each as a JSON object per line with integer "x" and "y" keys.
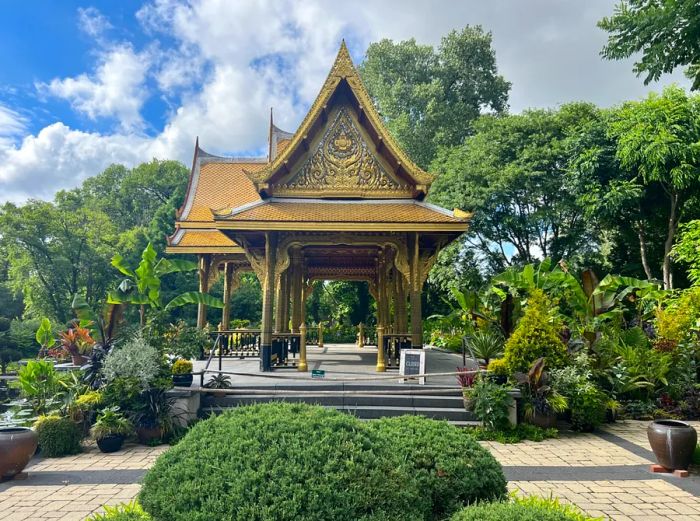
{"x": 412, "y": 362}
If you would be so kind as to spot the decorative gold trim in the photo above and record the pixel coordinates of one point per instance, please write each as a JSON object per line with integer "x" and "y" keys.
{"x": 330, "y": 226}
{"x": 204, "y": 249}
{"x": 343, "y": 69}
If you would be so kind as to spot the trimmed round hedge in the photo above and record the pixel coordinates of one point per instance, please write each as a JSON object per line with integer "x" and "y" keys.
{"x": 58, "y": 436}
{"x": 282, "y": 461}
{"x": 446, "y": 461}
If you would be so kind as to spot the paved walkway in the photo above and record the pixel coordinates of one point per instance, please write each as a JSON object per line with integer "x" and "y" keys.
{"x": 606, "y": 474}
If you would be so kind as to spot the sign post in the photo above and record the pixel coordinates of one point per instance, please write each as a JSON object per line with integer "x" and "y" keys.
{"x": 412, "y": 362}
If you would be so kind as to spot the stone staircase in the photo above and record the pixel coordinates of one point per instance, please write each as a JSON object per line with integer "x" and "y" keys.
{"x": 367, "y": 402}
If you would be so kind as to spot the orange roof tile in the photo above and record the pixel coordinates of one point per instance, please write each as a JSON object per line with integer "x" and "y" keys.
{"x": 204, "y": 238}
{"x": 407, "y": 211}
{"x": 221, "y": 185}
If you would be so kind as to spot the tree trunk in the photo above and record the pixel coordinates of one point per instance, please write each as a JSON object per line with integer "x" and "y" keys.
{"x": 643, "y": 251}
{"x": 142, "y": 315}
{"x": 668, "y": 244}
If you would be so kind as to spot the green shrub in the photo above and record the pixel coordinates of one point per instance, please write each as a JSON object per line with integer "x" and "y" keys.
{"x": 529, "y": 508}
{"x": 294, "y": 461}
{"x": 536, "y": 336}
{"x": 498, "y": 367}
{"x": 58, "y": 436}
{"x": 588, "y": 407}
{"x": 446, "y": 461}
{"x": 491, "y": 402}
{"x": 182, "y": 366}
{"x": 514, "y": 434}
{"x": 280, "y": 461}
{"x": 125, "y": 512}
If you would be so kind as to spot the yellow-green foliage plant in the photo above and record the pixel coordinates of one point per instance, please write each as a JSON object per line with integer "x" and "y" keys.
{"x": 498, "y": 367}
{"x": 182, "y": 366}
{"x": 536, "y": 336}
{"x": 680, "y": 317}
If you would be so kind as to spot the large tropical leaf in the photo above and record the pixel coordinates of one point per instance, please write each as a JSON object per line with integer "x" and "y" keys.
{"x": 44, "y": 335}
{"x": 165, "y": 266}
{"x": 195, "y": 297}
{"x": 119, "y": 263}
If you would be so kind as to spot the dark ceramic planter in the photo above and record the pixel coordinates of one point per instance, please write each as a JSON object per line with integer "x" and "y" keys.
{"x": 673, "y": 443}
{"x": 182, "y": 380}
{"x": 17, "y": 446}
{"x": 110, "y": 443}
{"x": 79, "y": 360}
{"x": 499, "y": 379}
{"x": 148, "y": 435}
{"x": 546, "y": 421}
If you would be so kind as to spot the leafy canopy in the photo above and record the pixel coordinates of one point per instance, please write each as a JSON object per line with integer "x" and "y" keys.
{"x": 430, "y": 97}
{"x": 666, "y": 32}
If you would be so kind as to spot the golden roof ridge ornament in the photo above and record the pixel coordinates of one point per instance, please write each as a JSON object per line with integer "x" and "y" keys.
{"x": 343, "y": 69}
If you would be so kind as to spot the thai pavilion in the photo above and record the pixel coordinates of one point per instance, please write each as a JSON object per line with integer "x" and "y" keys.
{"x": 336, "y": 200}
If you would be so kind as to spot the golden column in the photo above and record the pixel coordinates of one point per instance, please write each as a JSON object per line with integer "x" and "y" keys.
{"x": 400, "y": 304}
{"x": 415, "y": 296}
{"x": 267, "y": 303}
{"x": 229, "y": 273}
{"x": 282, "y": 296}
{"x": 297, "y": 300}
{"x": 302, "y": 349}
{"x": 204, "y": 266}
{"x": 381, "y": 310}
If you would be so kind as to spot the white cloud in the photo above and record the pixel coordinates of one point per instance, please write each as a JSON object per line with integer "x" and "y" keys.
{"x": 115, "y": 90}
{"x": 60, "y": 157}
{"x": 12, "y": 123}
{"x": 92, "y": 21}
{"x": 221, "y": 65}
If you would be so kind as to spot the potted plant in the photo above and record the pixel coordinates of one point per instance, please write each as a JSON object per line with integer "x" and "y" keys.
{"x": 673, "y": 443}
{"x": 76, "y": 342}
{"x": 498, "y": 371}
{"x": 110, "y": 429}
{"x": 541, "y": 402}
{"x": 465, "y": 377}
{"x": 153, "y": 415}
{"x": 484, "y": 344}
{"x": 17, "y": 446}
{"x": 182, "y": 373}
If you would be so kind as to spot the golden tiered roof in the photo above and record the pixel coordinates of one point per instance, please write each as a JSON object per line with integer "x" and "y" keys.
{"x": 341, "y": 170}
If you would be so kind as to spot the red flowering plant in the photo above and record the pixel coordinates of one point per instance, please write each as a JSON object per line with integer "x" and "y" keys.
{"x": 75, "y": 342}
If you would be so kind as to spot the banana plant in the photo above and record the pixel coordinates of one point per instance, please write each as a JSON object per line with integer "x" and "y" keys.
{"x": 142, "y": 285}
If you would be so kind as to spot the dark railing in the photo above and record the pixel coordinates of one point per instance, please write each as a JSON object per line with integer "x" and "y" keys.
{"x": 393, "y": 344}
{"x": 238, "y": 343}
{"x": 285, "y": 349}
{"x": 369, "y": 335}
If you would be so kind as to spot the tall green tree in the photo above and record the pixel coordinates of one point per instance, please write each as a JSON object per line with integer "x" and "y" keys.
{"x": 666, "y": 32}
{"x": 430, "y": 97}
{"x": 57, "y": 250}
{"x": 658, "y": 142}
{"x": 515, "y": 174}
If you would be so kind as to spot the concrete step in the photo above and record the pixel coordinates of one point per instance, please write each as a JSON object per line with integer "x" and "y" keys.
{"x": 339, "y": 399}
{"x": 364, "y": 406}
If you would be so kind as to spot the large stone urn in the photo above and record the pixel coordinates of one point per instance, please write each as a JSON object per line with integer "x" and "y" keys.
{"x": 673, "y": 443}
{"x": 17, "y": 446}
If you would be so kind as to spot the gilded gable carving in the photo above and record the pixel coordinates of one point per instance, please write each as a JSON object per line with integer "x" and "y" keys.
{"x": 342, "y": 162}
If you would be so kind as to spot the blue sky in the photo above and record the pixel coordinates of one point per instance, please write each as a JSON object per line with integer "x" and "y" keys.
{"x": 85, "y": 84}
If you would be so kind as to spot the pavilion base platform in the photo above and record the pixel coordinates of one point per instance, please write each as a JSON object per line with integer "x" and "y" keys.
{"x": 350, "y": 383}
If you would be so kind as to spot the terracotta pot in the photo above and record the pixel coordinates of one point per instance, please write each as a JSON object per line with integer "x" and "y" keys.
{"x": 546, "y": 421}
{"x": 110, "y": 443}
{"x": 17, "y": 446}
{"x": 147, "y": 435}
{"x": 182, "y": 380}
{"x": 673, "y": 443}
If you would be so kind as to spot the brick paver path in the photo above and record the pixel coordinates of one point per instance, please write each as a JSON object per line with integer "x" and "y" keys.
{"x": 606, "y": 474}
